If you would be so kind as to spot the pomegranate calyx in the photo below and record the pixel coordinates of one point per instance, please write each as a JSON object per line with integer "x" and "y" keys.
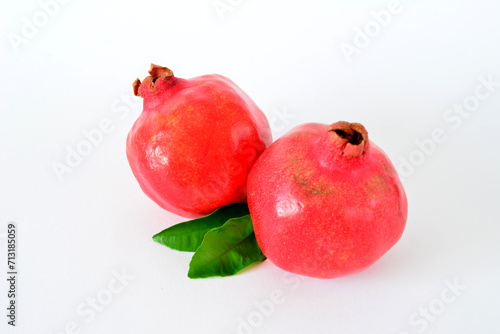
{"x": 351, "y": 139}
{"x": 155, "y": 72}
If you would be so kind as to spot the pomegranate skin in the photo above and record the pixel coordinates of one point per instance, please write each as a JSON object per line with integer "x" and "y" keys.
{"x": 325, "y": 201}
{"x": 195, "y": 141}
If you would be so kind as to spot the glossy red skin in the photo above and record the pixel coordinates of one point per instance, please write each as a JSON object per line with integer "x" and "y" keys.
{"x": 194, "y": 143}
{"x": 317, "y": 213}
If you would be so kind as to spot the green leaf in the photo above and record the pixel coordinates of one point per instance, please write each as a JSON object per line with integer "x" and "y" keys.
{"x": 226, "y": 250}
{"x": 188, "y": 236}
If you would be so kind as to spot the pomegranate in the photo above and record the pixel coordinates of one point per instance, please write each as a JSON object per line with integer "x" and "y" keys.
{"x": 325, "y": 201}
{"x": 195, "y": 141}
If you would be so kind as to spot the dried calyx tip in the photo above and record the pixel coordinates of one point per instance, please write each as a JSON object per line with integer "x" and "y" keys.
{"x": 155, "y": 72}
{"x": 355, "y": 133}
{"x": 135, "y": 86}
{"x": 352, "y": 138}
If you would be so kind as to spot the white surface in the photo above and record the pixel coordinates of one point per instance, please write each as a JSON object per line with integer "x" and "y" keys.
{"x": 74, "y": 233}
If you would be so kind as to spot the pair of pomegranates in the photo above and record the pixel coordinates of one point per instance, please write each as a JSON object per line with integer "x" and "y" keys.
{"x": 324, "y": 200}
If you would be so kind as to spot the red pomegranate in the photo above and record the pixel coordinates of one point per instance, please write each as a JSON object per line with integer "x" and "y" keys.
{"x": 195, "y": 141}
{"x": 325, "y": 201}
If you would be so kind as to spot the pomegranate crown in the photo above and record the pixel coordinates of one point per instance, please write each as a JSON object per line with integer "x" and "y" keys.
{"x": 350, "y": 139}
{"x": 155, "y": 72}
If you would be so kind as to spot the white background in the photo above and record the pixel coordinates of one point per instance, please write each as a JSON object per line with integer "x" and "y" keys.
{"x": 76, "y": 232}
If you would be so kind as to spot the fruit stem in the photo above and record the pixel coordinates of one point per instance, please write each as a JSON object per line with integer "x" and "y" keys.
{"x": 350, "y": 139}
